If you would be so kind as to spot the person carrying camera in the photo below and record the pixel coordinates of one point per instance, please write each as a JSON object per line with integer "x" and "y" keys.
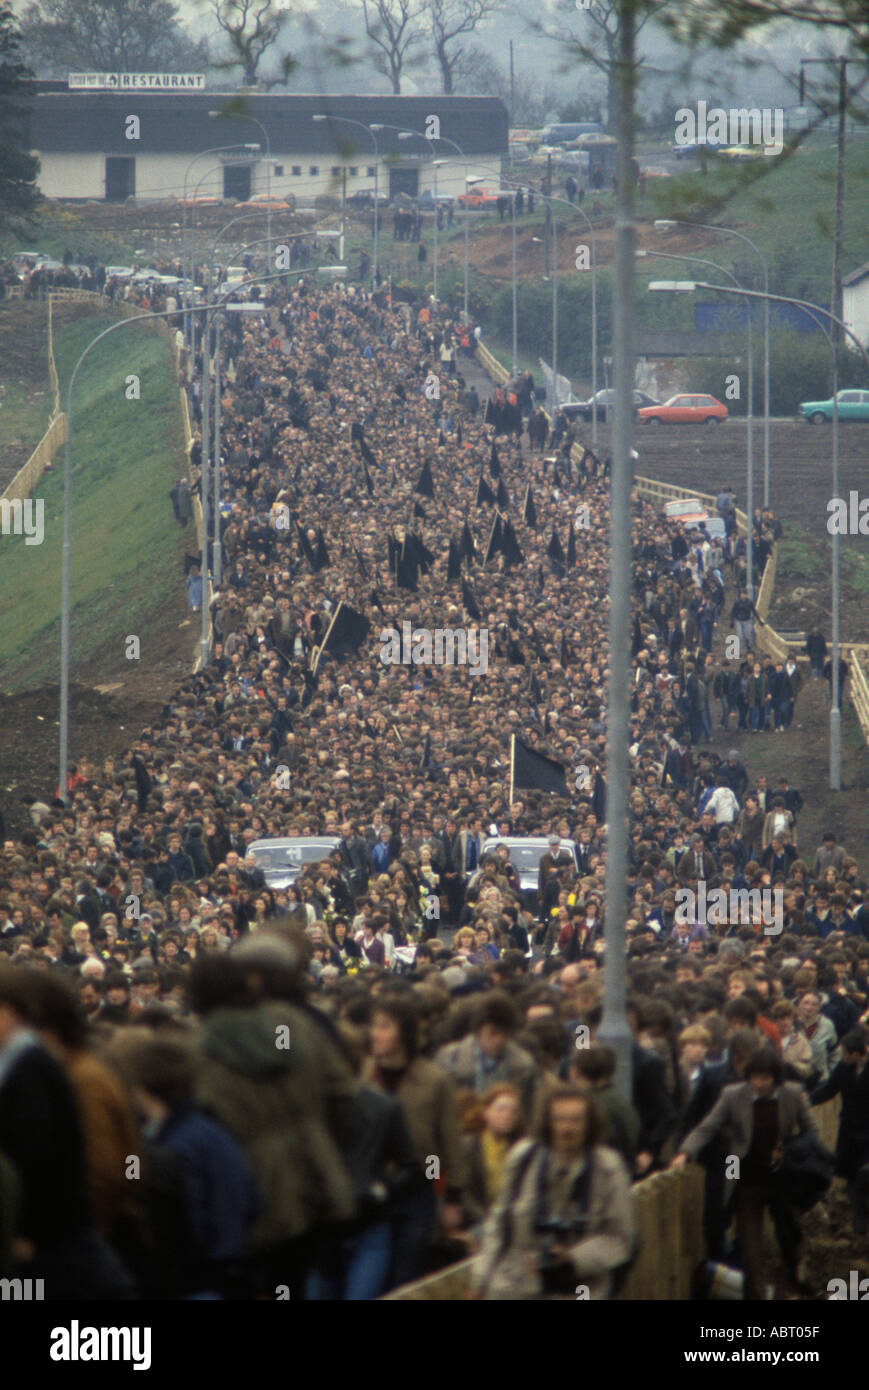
{"x": 563, "y": 1225}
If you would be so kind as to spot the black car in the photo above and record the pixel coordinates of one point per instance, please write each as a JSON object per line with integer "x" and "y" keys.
{"x": 582, "y": 410}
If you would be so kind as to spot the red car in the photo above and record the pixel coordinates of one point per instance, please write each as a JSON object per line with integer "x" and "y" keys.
{"x": 479, "y": 198}
{"x": 684, "y": 410}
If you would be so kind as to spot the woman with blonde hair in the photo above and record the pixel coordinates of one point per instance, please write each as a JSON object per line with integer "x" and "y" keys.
{"x": 496, "y": 1125}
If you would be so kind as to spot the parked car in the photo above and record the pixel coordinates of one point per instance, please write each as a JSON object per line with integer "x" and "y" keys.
{"x": 199, "y": 200}
{"x": 525, "y": 856}
{"x": 852, "y": 405}
{"x": 261, "y": 202}
{"x": 480, "y": 198}
{"x": 684, "y": 410}
{"x": 426, "y": 199}
{"x": 583, "y": 410}
{"x": 282, "y": 860}
{"x": 693, "y": 147}
{"x": 365, "y": 199}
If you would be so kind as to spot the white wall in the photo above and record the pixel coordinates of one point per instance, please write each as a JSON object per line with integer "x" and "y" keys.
{"x": 163, "y": 176}
{"x": 855, "y": 310}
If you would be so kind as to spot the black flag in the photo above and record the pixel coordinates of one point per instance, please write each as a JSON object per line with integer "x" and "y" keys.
{"x": 348, "y": 631}
{"x": 529, "y": 511}
{"x": 571, "y": 548}
{"x": 306, "y": 547}
{"x": 467, "y": 549}
{"x": 368, "y": 483}
{"x": 418, "y": 510}
{"x": 536, "y": 692}
{"x": 470, "y": 602}
{"x": 496, "y": 539}
{"x": 484, "y": 492}
{"x": 417, "y": 552}
{"x": 564, "y": 654}
{"x": 363, "y": 568}
{"x": 532, "y": 770}
{"x": 503, "y": 496}
{"x": 554, "y": 549}
{"x": 425, "y": 483}
{"x": 510, "y": 546}
{"x": 494, "y": 462}
{"x": 426, "y": 752}
{"x": 321, "y": 557}
{"x": 454, "y": 562}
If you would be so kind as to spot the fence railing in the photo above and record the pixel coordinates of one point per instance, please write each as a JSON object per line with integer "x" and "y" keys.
{"x": 669, "y": 1215}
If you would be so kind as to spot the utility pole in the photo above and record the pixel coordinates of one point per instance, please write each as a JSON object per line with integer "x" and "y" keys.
{"x": 614, "y": 1028}
{"x": 512, "y": 88}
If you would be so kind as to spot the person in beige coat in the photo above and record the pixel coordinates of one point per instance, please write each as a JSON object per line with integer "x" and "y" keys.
{"x": 564, "y": 1223}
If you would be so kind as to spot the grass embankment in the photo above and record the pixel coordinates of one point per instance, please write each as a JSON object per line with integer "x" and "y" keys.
{"x": 125, "y": 547}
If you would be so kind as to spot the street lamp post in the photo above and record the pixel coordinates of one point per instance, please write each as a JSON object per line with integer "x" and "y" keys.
{"x": 66, "y": 549}
{"x": 216, "y": 149}
{"x": 664, "y": 224}
{"x": 593, "y": 239}
{"x": 749, "y": 417}
{"x": 243, "y": 116}
{"x": 369, "y": 130}
{"x": 689, "y": 287}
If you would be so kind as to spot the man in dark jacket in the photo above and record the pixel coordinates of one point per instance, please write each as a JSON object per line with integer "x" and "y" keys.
{"x": 850, "y": 1080}
{"x": 41, "y": 1135}
{"x": 755, "y": 1119}
{"x": 180, "y": 862}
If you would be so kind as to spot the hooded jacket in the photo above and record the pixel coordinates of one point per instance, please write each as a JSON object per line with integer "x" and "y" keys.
{"x": 287, "y": 1097}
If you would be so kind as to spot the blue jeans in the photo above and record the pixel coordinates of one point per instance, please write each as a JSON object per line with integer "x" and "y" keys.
{"x": 354, "y": 1269}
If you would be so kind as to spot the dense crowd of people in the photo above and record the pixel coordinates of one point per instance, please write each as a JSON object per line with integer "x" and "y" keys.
{"x": 324, "y": 1090}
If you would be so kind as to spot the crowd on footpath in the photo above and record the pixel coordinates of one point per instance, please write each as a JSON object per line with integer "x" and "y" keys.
{"x": 325, "y": 1091}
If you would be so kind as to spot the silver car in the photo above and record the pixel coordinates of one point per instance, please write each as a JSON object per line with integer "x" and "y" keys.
{"x": 282, "y": 861}
{"x": 525, "y": 856}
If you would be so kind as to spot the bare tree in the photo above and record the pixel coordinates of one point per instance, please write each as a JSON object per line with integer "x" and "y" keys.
{"x": 478, "y": 74}
{"x": 251, "y": 28}
{"x": 395, "y": 33}
{"x": 447, "y": 21}
{"x": 108, "y": 36}
{"x": 592, "y": 32}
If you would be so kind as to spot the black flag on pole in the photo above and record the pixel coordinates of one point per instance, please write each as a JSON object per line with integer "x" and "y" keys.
{"x": 571, "y": 548}
{"x": 494, "y": 462}
{"x": 470, "y": 602}
{"x": 454, "y": 562}
{"x": 347, "y": 633}
{"x": 321, "y": 556}
{"x": 510, "y": 546}
{"x": 503, "y": 496}
{"x": 484, "y": 492}
{"x": 534, "y": 771}
{"x": 496, "y": 539}
{"x": 425, "y": 482}
{"x": 554, "y": 550}
{"x": 418, "y": 510}
{"x": 529, "y": 511}
{"x": 467, "y": 549}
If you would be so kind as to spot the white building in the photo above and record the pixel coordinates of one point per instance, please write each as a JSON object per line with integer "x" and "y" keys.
{"x": 113, "y": 145}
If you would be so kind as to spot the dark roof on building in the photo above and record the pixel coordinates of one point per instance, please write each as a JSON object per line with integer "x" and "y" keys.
{"x": 676, "y": 343}
{"x": 856, "y": 276}
{"x": 86, "y": 122}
